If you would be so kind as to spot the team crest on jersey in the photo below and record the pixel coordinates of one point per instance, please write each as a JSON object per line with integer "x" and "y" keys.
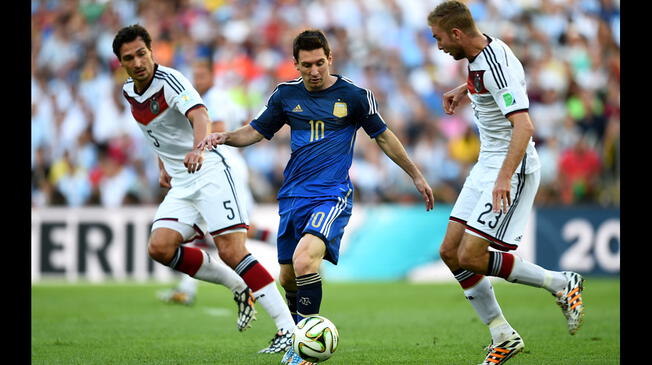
{"x": 154, "y": 107}
{"x": 475, "y": 82}
{"x": 149, "y": 109}
{"x": 340, "y": 109}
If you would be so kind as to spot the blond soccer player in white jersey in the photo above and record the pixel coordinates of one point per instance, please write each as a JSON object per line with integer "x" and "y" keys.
{"x": 203, "y": 198}
{"x": 494, "y": 204}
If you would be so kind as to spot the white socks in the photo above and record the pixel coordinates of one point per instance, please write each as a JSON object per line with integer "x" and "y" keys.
{"x": 188, "y": 284}
{"x": 527, "y": 273}
{"x": 274, "y": 304}
{"x": 482, "y": 298}
{"x": 500, "y": 330}
{"x": 216, "y": 271}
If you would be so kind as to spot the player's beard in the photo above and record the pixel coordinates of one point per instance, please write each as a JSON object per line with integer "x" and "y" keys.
{"x": 457, "y": 53}
{"x": 143, "y": 72}
{"x": 316, "y": 83}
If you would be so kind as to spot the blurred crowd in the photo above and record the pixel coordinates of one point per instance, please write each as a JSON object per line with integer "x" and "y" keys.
{"x": 87, "y": 150}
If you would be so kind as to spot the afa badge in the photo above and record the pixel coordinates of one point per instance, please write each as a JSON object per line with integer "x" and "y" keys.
{"x": 340, "y": 110}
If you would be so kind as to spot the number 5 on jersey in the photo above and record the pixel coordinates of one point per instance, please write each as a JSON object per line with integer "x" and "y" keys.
{"x": 231, "y": 213}
{"x": 156, "y": 143}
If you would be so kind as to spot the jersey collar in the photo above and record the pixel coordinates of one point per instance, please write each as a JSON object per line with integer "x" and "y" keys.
{"x": 488, "y": 42}
{"x": 328, "y": 88}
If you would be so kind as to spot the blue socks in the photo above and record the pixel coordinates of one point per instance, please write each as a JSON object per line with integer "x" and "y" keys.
{"x": 308, "y": 296}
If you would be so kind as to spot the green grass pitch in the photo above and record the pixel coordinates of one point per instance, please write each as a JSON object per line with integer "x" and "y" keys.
{"x": 379, "y": 323}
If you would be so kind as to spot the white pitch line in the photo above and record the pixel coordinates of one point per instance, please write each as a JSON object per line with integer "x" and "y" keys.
{"x": 217, "y": 312}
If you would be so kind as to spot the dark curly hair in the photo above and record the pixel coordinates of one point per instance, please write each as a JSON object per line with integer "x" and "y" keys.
{"x": 309, "y": 40}
{"x": 130, "y": 34}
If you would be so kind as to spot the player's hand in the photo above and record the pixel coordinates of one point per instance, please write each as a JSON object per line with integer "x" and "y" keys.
{"x": 212, "y": 140}
{"x": 164, "y": 179}
{"x": 194, "y": 160}
{"x": 426, "y": 192}
{"x": 501, "y": 196}
{"x": 452, "y": 99}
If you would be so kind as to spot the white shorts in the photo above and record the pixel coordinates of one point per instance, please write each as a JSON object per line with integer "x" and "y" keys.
{"x": 474, "y": 206}
{"x": 212, "y": 207}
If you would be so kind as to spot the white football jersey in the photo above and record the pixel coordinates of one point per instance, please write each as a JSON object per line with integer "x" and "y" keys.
{"x": 496, "y": 86}
{"x": 161, "y": 113}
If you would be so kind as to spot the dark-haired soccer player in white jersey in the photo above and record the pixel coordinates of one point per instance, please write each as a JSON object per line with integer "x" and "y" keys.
{"x": 224, "y": 115}
{"x": 203, "y": 197}
{"x": 497, "y": 197}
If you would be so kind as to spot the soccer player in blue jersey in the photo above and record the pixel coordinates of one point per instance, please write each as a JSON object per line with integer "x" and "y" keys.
{"x": 324, "y": 112}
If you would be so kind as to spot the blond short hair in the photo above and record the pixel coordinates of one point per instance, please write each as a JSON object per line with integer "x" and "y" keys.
{"x": 452, "y": 14}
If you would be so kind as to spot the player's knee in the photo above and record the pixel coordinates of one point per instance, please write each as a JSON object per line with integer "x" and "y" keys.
{"x": 447, "y": 253}
{"x": 160, "y": 251}
{"x": 227, "y": 255}
{"x": 163, "y": 244}
{"x": 232, "y": 255}
{"x": 231, "y": 247}
{"x": 303, "y": 264}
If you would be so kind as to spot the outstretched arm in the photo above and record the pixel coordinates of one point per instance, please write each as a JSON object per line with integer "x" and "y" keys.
{"x": 392, "y": 147}
{"x": 241, "y": 137}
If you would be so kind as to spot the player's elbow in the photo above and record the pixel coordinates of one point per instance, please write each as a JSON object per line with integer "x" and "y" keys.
{"x": 528, "y": 128}
{"x": 522, "y": 122}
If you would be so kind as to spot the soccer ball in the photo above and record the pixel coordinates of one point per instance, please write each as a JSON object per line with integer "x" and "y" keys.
{"x": 315, "y": 339}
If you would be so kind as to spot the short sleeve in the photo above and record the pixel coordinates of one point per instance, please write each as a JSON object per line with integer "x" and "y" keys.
{"x": 271, "y": 117}
{"x": 370, "y": 119}
{"x": 507, "y": 89}
{"x": 182, "y": 95}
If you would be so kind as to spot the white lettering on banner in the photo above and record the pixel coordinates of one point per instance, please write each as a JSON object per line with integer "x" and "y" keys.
{"x": 588, "y": 248}
{"x": 608, "y": 260}
{"x": 578, "y": 257}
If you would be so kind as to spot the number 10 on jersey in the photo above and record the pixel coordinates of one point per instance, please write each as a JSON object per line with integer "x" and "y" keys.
{"x": 316, "y": 130}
